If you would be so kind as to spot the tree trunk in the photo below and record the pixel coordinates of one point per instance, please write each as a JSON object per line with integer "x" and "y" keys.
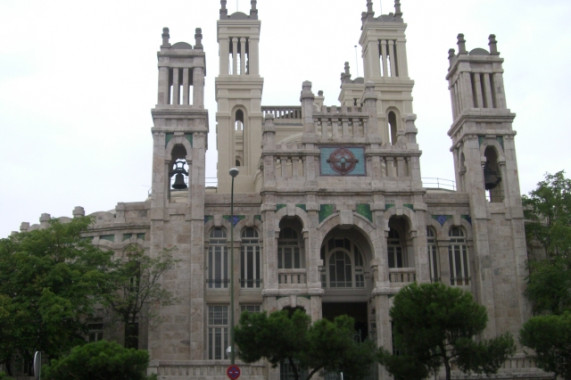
{"x": 132, "y": 335}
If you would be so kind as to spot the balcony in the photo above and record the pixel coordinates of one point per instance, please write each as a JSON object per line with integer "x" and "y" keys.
{"x": 402, "y": 276}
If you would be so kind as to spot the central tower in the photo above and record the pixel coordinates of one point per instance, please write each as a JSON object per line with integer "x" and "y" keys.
{"x": 239, "y": 96}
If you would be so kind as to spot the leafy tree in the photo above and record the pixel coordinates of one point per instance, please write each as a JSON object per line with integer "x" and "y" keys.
{"x": 133, "y": 283}
{"x": 285, "y": 336}
{"x": 550, "y": 337}
{"x": 549, "y": 284}
{"x": 548, "y": 214}
{"x": 100, "y": 360}
{"x": 435, "y": 325}
{"x": 49, "y": 283}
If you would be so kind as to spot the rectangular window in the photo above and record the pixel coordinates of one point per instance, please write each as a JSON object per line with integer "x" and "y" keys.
{"x": 217, "y": 267}
{"x": 433, "y": 261}
{"x": 250, "y": 266}
{"x": 95, "y": 332}
{"x": 218, "y": 339}
{"x": 459, "y": 266}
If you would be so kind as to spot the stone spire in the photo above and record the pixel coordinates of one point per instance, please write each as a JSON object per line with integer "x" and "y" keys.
{"x": 493, "y": 44}
{"x": 166, "y": 37}
{"x": 461, "y": 44}
{"x": 223, "y": 10}
{"x": 253, "y": 10}
{"x": 398, "y": 12}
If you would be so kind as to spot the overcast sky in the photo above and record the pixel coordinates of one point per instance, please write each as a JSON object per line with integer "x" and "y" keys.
{"x": 78, "y": 79}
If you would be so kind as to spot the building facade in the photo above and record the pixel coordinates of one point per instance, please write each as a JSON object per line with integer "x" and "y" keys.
{"x": 329, "y": 210}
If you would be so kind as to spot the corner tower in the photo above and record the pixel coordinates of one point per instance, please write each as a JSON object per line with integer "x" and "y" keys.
{"x": 177, "y": 202}
{"x": 486, "y": 170}
{"x": 239, "y": 96}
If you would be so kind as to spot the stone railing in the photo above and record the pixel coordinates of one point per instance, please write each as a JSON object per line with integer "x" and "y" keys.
{"x": 340, "y": 123}
{"x": 402, "y": 275}
{"x": 292, "y": 278}
{"x": 282, "y": 112}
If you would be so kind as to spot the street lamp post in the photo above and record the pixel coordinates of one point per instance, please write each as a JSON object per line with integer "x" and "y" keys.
{"x": 233, "y": 173}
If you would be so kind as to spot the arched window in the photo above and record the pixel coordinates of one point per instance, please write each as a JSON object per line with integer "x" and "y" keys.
{"x": 458, "y": 257}
{"x": 432, "y": 249}
{"x": 239, "y": 121}
{"x": 493, "y": 176}
{"x": 392, "y": 127}
{"x": 179, "y": 169}
{"x": 217, "y": 261}
{"x": 250, "y": 259}
{"x": 344, "y": 264}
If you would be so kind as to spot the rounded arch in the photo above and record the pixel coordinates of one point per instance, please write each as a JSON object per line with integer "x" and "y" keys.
{"x": 295, "y": 212}
{"x": 294, "y": 302}
{"x": 404, "y": 212}
{"x": 239, "y": 118}
{"x": 456, "y": 222}
{"x": 366, "y": 228}
{"x": 175, "y": 146}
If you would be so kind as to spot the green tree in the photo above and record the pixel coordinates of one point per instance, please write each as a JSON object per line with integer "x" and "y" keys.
{"x": 285, "y": 336}
{"x": 133, "y": 283}
{"x": 49, "y": 283}
{"x": 548, "y": 214}
{"x": 100, "y": 360}
{"x": 434, "y": 325}
{"x": 550, "y": 338}
{"x": 549, "y": 284}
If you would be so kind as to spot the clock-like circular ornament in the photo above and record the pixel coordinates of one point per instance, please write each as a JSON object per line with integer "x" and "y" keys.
{"x": 342, "y": 161}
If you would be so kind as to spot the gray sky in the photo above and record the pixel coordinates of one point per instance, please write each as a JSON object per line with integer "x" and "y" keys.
{"x": 78, "y": 79}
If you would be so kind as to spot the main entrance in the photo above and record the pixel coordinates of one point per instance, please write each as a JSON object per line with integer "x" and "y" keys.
{"x": 356, "y": 310}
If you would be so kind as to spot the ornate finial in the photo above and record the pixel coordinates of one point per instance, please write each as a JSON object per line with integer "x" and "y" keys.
{"x": 166, "y": 37}
{"x": 223, "y": 10}
{"x": 370, "y": 7}
{"x": 451, "y": 53}
{"x": 198, "y": 38}
{"x": 346, "y": 75}
{"x": 461, "y": 44}
{"x": 253, "y": 9}
{"x": 398, "y": 12}
{"x": 493, "y": 44}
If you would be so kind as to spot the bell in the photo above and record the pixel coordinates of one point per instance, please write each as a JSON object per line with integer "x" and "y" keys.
{"x": 491, "y": 178}
{"x": 179, "y": 183}
{"x": 179, "y": 172}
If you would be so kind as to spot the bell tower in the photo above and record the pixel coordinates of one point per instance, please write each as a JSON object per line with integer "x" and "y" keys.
{"x": 383, "y": 44}
{"x": 178, "y": 184}
{"x": 486, "y": 170}
{"x": 239, "y": 97}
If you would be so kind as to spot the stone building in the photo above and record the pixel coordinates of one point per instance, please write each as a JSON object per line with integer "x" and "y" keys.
{"x": 328, "y": 211}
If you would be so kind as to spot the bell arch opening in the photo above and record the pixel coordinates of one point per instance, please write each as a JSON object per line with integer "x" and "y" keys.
{"x": 178, "y": 175}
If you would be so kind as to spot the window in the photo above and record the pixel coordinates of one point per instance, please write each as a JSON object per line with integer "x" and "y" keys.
{"x": 289, "y": 252}
{"x": 458, "y": 258}
{"x": 250, "y": 259}
{"x": 95, "y": 332}
{"x": 432, "y": 250}
{"x": 217, "y": 331}
{"x": 344, "y": 264}
{"x": 217, "y": 276}
{"x": 394, "y": 248}
{"x": 239, "y": 121}
{"x": 392, "y": 128}
{"x": 251, "y": 308}
{"x": 492, "y": 176}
